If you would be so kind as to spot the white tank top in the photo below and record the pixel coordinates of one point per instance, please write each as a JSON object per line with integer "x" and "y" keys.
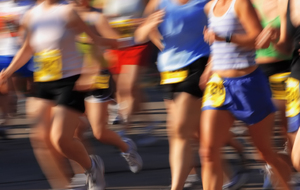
{"x": 122, "y": 15}
{"x": 49, "y": 32}
{"x": 124, "y": 9}
{"x": 228, "y": 55}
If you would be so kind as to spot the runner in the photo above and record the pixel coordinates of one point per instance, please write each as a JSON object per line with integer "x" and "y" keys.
{"x": 11, "y": 13}
{"x": 236, "y": 90}
{"x": 97, "y": 101}
{"x": 274, "y": 64}
{"x": 289, "y": 42}
{"x": 128, "y": 63}
{"x": 181, "y": 62}
{"x": 51, "y": 29}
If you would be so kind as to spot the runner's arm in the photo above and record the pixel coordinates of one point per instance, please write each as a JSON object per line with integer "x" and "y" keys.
{"x": 148, "y": 30}
{"x": 23, "y": 55}
{"x": 248, "y": 18}
{"x": 77, "y": 24}
{"x": 104, "y": 29}
{"x": 284, "y": 43}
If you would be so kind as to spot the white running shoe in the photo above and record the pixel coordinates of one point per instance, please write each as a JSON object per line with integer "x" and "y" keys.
{"x": 191, "y": 180}
{"x": 78, "y": 182}
{"x": 95, "y": 177}
{"x": 133, "y": 158}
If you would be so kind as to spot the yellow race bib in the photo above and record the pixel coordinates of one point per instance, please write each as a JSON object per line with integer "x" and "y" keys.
{"x": 171, "y": 77}
{"x": 292, "y": 97}
{"x": 48, "y": 66}
{"x": 277, "y": 84}
{"x": 214, "y": 94}
{"x": 126, "y": 28}
{"x": 101, "y": 82}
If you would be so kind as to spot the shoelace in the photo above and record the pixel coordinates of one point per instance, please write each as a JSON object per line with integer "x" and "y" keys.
{"x": 129, "y": 157}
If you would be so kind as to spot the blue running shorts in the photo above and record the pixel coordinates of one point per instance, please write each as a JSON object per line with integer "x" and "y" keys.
{"x": 247, "y": 98}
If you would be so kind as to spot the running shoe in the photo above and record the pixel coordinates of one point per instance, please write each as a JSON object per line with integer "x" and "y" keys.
{"x": 95, "y": 177}
{"x": 191, "y": 180}
{"x": 133, "y": 158}
{"x": 269, "y": 182}
{"x": 241, "y": 175}
{"x": 147, "y": 139}
{"x": 238, "y": 180}
{"x": 78, "y": 182}
{"x": 285, "y": 150}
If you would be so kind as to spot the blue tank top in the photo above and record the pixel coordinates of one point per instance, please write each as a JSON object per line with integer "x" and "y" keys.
{"x": 182, "y": 31}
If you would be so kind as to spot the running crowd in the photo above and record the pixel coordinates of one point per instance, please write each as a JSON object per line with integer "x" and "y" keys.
{"x": 219, "y": 61}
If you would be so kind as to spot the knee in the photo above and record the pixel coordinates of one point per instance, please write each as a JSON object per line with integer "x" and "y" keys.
{"x": 40, "y": 139}
{"x": 100, "y": 134}
{"x": 59, "y": 142}
{"x": 209, "y": 153}
{"x": 179, "y": 130}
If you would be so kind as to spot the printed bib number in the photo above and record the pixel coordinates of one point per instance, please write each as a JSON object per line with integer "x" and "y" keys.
{"x": 214, "y": 94}
{"x": 292, "y": 97}
{"x": 48, "y": 66}
{"x": 126, "y": 28}
{"x": 278, "y": 85}
{"x": 171, "y": 77}
{"x": 101, "y": 82}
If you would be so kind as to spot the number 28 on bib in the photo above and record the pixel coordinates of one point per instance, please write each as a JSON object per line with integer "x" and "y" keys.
{"x": 47, "y": 66}
{"x": 214, "y": 94}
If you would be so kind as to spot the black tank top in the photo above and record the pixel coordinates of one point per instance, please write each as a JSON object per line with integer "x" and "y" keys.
{"x": 294, "y": 33}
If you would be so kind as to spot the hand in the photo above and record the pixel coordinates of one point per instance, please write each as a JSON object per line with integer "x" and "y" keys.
{"x": 210, "y": 37}
{"x": 204, "y": 78}
{"x": 153, "y": 20}
{"x": 84, "y": 83}
{"x": 3, "y": 83}
{"x": 264, "y": 38}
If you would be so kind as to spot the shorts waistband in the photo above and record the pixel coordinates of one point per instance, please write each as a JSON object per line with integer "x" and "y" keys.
{"x": 257, "y": 71}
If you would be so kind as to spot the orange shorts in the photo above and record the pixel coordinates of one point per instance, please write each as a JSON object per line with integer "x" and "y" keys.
{"x": 135, "y": 55}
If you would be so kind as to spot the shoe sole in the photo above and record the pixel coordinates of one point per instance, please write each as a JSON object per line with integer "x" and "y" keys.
{"x": 139, "y": 163}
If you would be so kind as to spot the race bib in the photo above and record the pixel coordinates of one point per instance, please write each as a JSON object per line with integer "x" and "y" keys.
{"x": 292, "y": 97}
{"x": 214, "y": 94}
{"x": 278, "y": 85}
{"x": 171, "y": 77}
{"x": 126, "y": 28}
{"x": 101, "y": 82}
{"x": 48, "y": 66}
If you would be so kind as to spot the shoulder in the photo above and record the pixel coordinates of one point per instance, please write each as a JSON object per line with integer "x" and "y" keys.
{"x": 151, "y": 7}
{"x": 282, "y": 6}
{"x": 208, "y": 6}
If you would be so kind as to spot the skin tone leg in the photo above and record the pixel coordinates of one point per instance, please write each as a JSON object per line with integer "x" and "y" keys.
{"x": 65, "y": 122}
{"x": 182, "y": 123}
{"x": 296, "y": 151}
{"x": 212, "y": 138}
{"x": 261, "y": 134}
{"x": 53, "y": 164}
{"x": 97, "y": 115}
{"x": 126, "y": 87}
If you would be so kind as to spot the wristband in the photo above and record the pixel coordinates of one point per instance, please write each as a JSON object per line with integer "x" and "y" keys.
{"x": 228, "y": 38}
